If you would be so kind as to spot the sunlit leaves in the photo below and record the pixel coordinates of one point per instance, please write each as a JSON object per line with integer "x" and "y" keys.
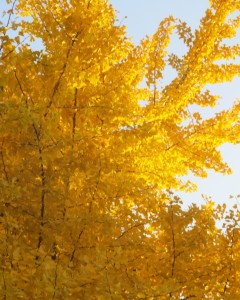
{"x": 87, "y": 208}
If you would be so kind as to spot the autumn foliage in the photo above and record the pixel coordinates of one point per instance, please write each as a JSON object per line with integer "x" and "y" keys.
{"x": 88, "y": 175}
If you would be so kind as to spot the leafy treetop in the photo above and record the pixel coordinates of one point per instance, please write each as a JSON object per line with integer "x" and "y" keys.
{"x": 87, "y": 174}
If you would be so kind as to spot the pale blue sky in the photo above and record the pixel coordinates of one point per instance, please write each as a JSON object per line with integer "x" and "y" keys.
{"x": 142, "y": 19}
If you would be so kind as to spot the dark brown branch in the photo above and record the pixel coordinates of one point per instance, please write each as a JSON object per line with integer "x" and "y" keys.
{"x": 56, "y": 86}
{"x": 55, "y": 278}
{"x": 42, "y": 21}
{"x": 173, "y": 243}
{"x": 14, "y": 48}
{"x": 8, "y": 21}
{"x": 60, "y": 26}
{"x": 43, "y": 192}
{"x": 96, "y": 186}
{"x": 189, "y": 297}
{"x": 89, "y": 2}
{"x": 20, "y": 86}
{"x": 129, "y": 229}
{"x": 42, "y": 170}
{"x": 3, "y": 162}
{"x": 10, "y": 15}
{"x": 74, "y": 250}
{"x": 74, "y": 117}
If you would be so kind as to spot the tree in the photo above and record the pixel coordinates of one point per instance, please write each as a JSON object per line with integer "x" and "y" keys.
{"x": 87, "y": 202}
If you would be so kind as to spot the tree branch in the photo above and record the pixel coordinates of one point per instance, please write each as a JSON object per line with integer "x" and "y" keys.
{"x": 56, "y": 86}
{"x": 3, "y": 162}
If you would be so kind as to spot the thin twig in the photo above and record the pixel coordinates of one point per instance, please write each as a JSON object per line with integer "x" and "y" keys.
{"x": 3, "y": 162}
{"x": 56, "y": 86}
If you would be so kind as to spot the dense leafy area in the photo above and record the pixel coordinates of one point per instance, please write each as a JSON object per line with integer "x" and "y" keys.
{"x": 88, "y": 176}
